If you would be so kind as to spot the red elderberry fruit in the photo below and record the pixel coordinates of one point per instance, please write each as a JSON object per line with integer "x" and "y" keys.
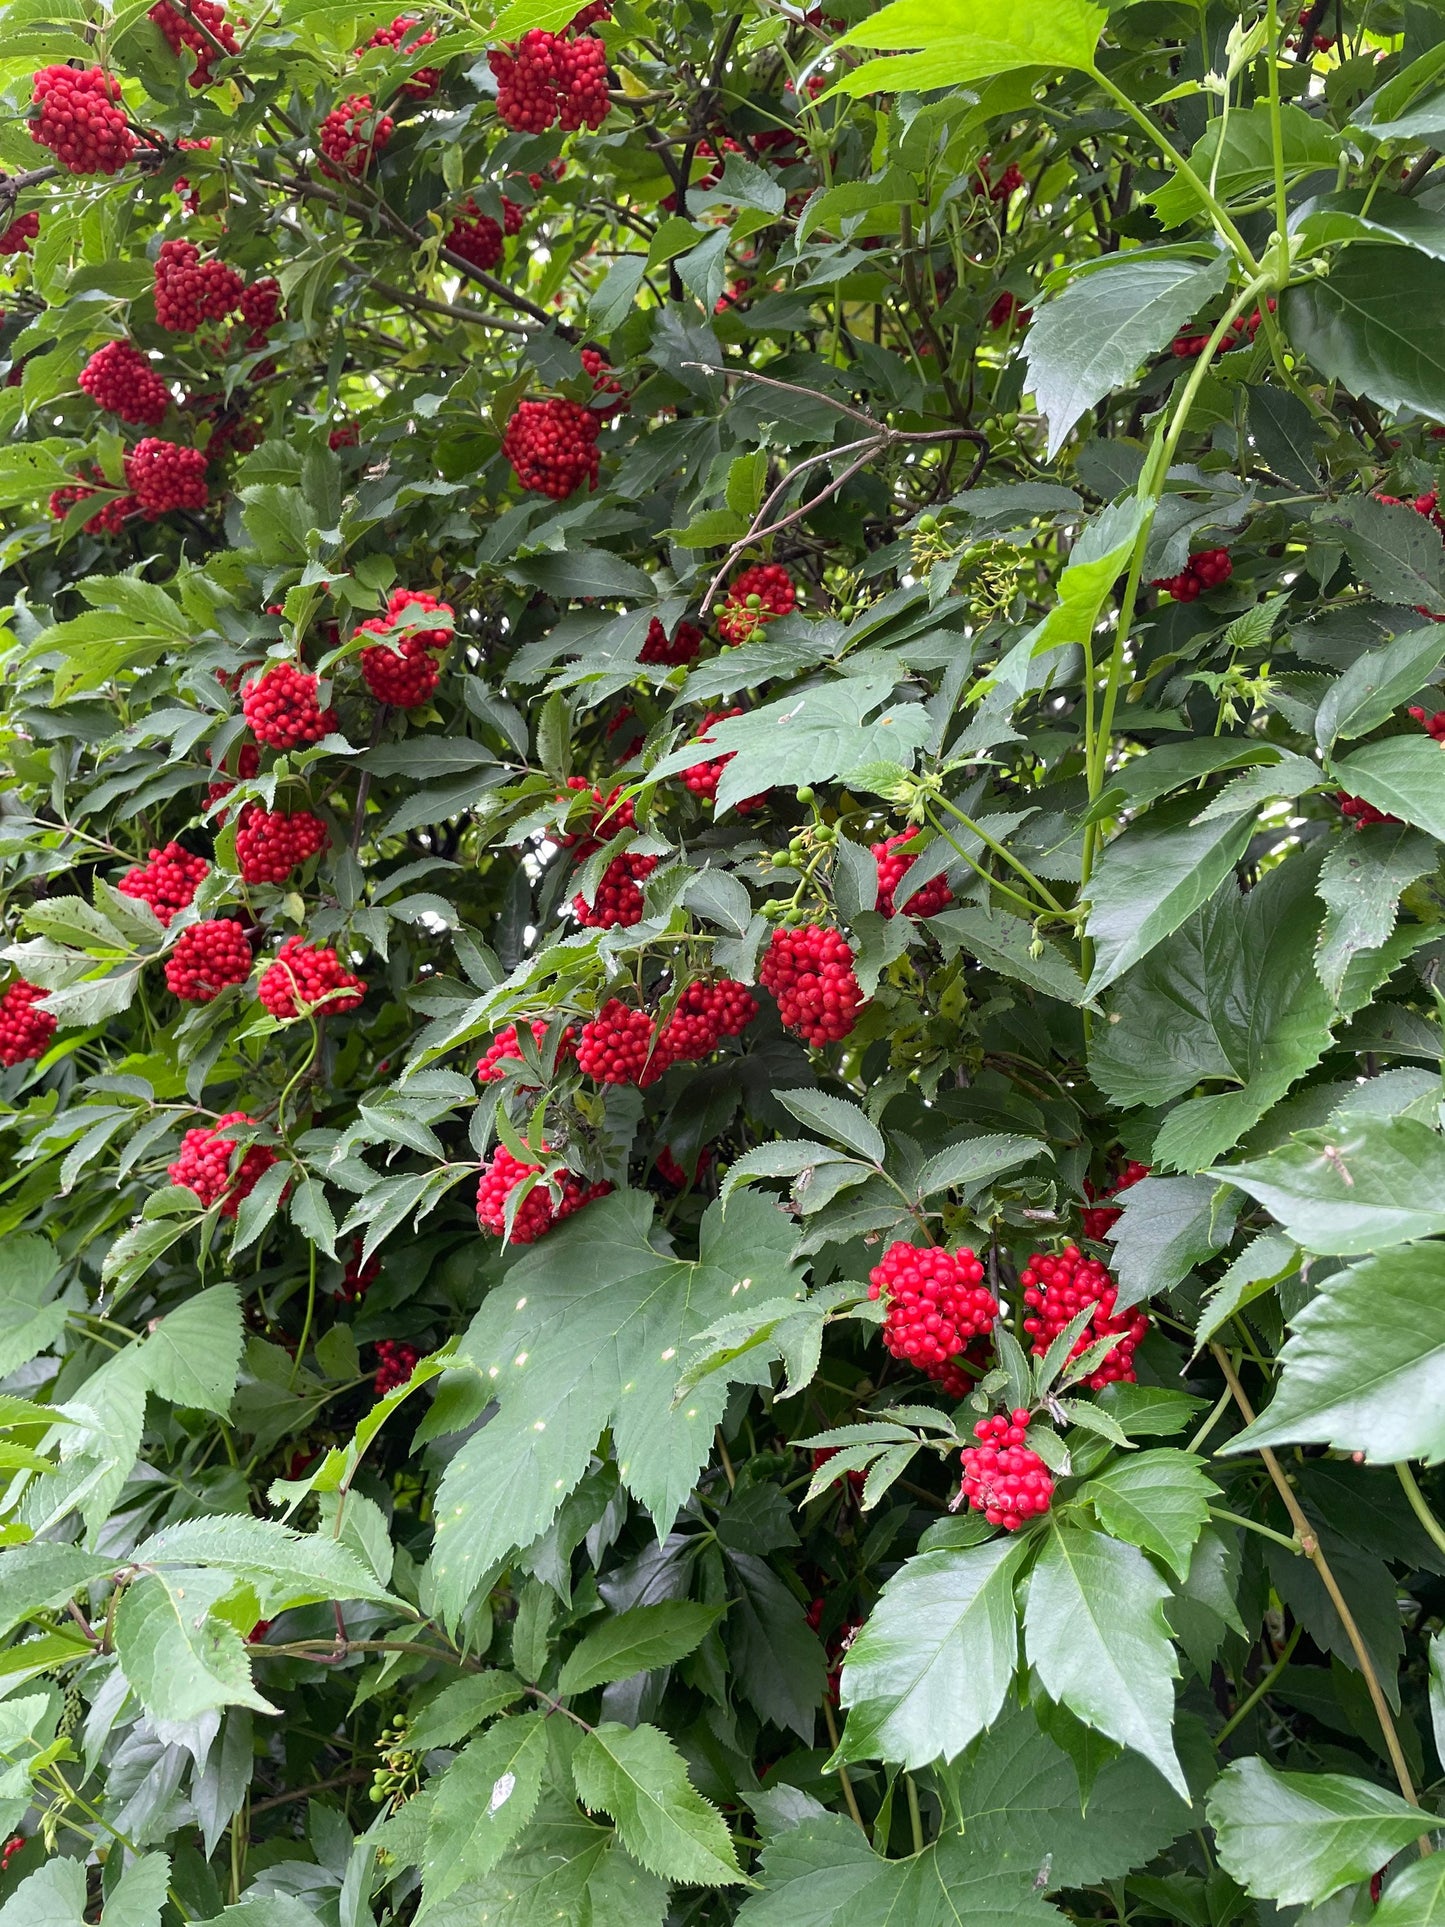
{"x": 682, "y": 648}
{"x": 1210, "y": 569}
{"x": 182, "y": 32}
{"x": 703, "y": 778}
{"x": 281, "y": 709}
{"x": 260, "y": 306}
{"x": 402, "y": 33}
{"x": 248, "y": 764}
{"x": 207, "y": 958}
{"x": 618, "y": 903}
{"x": 165, "y": 475}
{"x": 935, "y": 1301}
{"x": 119, "y": 379}
{"x": 477, "y": 238}
{"x": 204, "y": 1165}
{"x": 404, "y": 670}
{"x": 546, "y": 78}
{"x": 671, "y": 1172}
{"x": 703, "y": 1015}
{"x": 352, "y": 135}
{"x": 344, "y": 435}
{"x": 307, "y": 976}
{"x": 539, "y": 1210}
{"x": 25, "y": 1030}
{"x": 16, "y": 238}
{"x": 894, "y": 861}
{"x": 189, "y": 290}
{"x": 1433, "y": 726}
{"x": 109, "y": 519}
{"x": 270, "y": 844}
{"x": 1100, "y": 1219}
{"x": 610, "y": 815}
{"x": 592, "y": 15}
{"x": 14, "y": 1845}
{"x": 818, "y": 1458}
{"x": 1003, "y": 1478}
{"x": 358, "y": 1278}
{"x": 604, "y": 382}
{"x": 1057, "y": 1288}
{"x": 809, "y": 971}
{"x": 167, "y": 882}
{"x": 1008, "y": 182}
{"x": 505, "y": 1049}
{"x": 552, "y": 446}
{"x": 1006, "y": 309}
{"x": 1357, "y": 811}
{"x": 615, "y": 1046}
{"x": 756, "y": 598}
{"x": 395, "y": 1363}
{"x": 81, "y": 120}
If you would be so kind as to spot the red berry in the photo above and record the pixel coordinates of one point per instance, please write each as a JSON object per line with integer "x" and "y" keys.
{"x": 282, "y": 711}
{"x": 260, "y": 306}
{"x": 1002, "y": 1477}
{"x": 403, "y": 33}
{"x": 704, "y": 1014}
{"x": 164, "y": 475}
{"x": 1210, "y": 569}
{"x": 110, "y": 519}
{"x": 539, "y": 1210}
{"x": 504, "y": 1048}
{"x": 756, "y": 597}
{"x": 545, "y": 78}
{"x": 1359, "y": 812}
{"x": 894, "y": 861}
{"x": 358, "y": 1278}
{"x": 204, "y": 1165}
{"x": 809, "y": 971}
{"x": 25, "y": 1030}
{"x": 1433, "y": 726}
{"x": 307, "y": 977}
{"x": 477, "y": 238}
{"x": 395, "y": 1363}
{"x": 270, "y": 844}
{"x": 685, "y": 643}
{"x": 604, "y": 382}
{"x": 1008, "y": 182}
{"x": 610, "y": 815}
{"x": 552, "y": 446}
{"x": 208, "y": 957}
{"x": 935, "y": 1302}
{"x": 1008, "y": 308}
{"x": 183, "y": 32}
{"x": 119, "y": 379}
{"x": 615, "y": 1046}
{"x": 80, "y": 119}
{"x": 703, "y": 778}
{"x": 352, "y": 135}
{"x": 344, "y": 435}
{"x": 671, "y": 1172}
{"x": 404, "y": 670}
{"x": 16, "y": 238}
{"x": 189, "y": 290}
{"x": 1099, "y": 1220}
{"x": 14, "y": 1845}
{"x": 1058, "y": 1288}
{"x": 167, "y": 882}
{"x": 618, "y": 902}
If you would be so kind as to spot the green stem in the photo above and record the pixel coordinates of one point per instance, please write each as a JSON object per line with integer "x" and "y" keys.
{"x": 1030, "y": 910}
{"x": 1253, "y": 1525}
{"x": 1419, "y": 1506}
{"x": 915, "y": 1818}
{"x": 303, "y": 1340}
{"x": 1247, "y": 1706}
{"x": 1276, "y": 126}
{"x": 989, "y": 843}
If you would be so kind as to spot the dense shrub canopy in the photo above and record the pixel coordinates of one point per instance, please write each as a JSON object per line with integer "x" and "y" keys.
{"x": 721, "y": 1100}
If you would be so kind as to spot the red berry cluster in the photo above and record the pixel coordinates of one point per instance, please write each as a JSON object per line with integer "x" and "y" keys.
{"x": 623, "y": 1045}
{"x": 352, "y": 135}
{"x": 204, "y": 1165}
{"x": 604, "y": 382}
{"x": 81, "y": 120}
{"x": 1433, "y": 726}
{"x": 809, "y": 970}
{"x": 504, "y": 1048}
{"x": 1100, "y": 1219}
{"x": 682, "y": 648}
{"x": 207, "y": 958}
{"x": 671, "y": 1172}
{"x": 547, "y": 78}
{"x": 609, "y": 816}
{"x": 165, "y": 475}
{"x": 477, "y": 238}
{"x": 618, "y": 900}
{"x": 189, "y": 290}
{"x": 16, "y": 238}
{"x": 305, "y": 976}
{"x": 402, "y": 33}
{"x": 1008, "y": 308}
{"x": 281, "y": 709}
{"x": 260, "y": 307}
{"x": 1008, "y": 182}
{"x": 935, "y": 1301}
{"x": 183, "y": 32}
{"x": 25, "y": 1030}
{"x": 1058, "y": 1288}
{"x": 344, "y": 435}
{"x": 119, "y": 379}
{"x": 1189, "y": 345}
{"x": 758, "y": 595}
{"x": 538, "y": 1211}
{"x": 1210, "y": 569}
{"x": 552, "y": 446}
{"x": 615, "y": 1046}
{"x": 404, "y": 670}
{"x": 702, "y": 779}
{"x": 1357, "y": 811}
{"x": 395, "y": 1363}
{"x": 13, "y": 1846}
{"x": 110, "y": 519}
{"x": 1002, "y": 1477}
{"x": 248, "y": 764}
{"x": 167, "y": 882}
{"x": 358, "y": 1278}
{"x": 894, "y": 862}
{"x": 270, "y": 844}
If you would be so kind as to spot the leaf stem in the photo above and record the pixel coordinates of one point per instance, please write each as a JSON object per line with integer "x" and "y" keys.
{"x": 1419, "y": 1505}
{"x": 1247, "y": 1706}
{"x": 850, "y": 1799}
{"x": 1253, "y": 1525}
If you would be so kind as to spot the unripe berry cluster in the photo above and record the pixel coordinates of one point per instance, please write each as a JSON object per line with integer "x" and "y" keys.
{"x": 204, "y": 1165}
{"x": 270, "y": 844}
{"x": 165, "y": 475}
{"x": 207, "y": 958}
{"x": 683, "y": 647}
{"x": 894, "y": 861}
{"x": 546, "y": 78}
{"x": 281, "y": 709}
{"x": 1210, "y": 569}
{"x": 352, "y": 135}
{"x": 504, "y": 1048}
{"x": 404, "y": 672}
{"x": 182, "y": 32}
{"x": 16, "y": 238}
{"x": 395, "y": 1363}
{"x": 477, "y": 238}
{"x": 25, "y": 1030}
{"x": 809, "y": 970}
{"x": 618, "y": 900}
{"x": 402, "y": 33}
{"x": 1100, "y": 1219}
{"x": 1058, "y": 1288}
{"x": 552, "y": 446}
{"x": 80, "y": 119}
{"x": 1003, "y": 1478}
{"x": 305, "y": 976}
{"x": 189, "y": 290}
{"x": 538, "y": 1211}
{"x": 935, "y": 1301}
{"x": 119, "y": 379}
{"x": 167, "y": 882}
{"x": 756, "y": 598}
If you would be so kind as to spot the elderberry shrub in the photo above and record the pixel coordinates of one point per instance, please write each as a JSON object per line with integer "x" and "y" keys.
{"x": 720, "y": 870}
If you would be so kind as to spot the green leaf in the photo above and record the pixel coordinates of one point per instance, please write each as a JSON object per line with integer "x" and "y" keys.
{"x": 563, "y": 1869}
{"x": 1400, "y": 775}
{"x": 1156, "y": 1500}
{"x": 1007, "y": 943}
{"x": 845, "y": 1123}
{"x": 1415, "y": 1896}
{"x": 1356, "y": 215}
{"x": 1095, "y": 1633}
{"x": 53, "y": 1896}
{"x": 180, "y": 1659}
{"x": 1376, "y": 683}
{"x": 811, "y": 1875}
{"x": 485, "y": 1798}
{"x": 637, "y": 1776}
{"x": 1397, "y": 555}
{"x": 636, "y": 1642}
{"x": 1377, "y": 325}
{"x": 459, "y": 1709}
{"x": 1237, "y": 157}
{"x": 1361, "y": 880}
{"x": 1379, "y": 1182}
{"x": 1092, "y": 338}
{"x": 962, "y": 40}
{"x": 1364, "y": 1370}
{"x": 1169, "y": 1225}
{"x": 30, "y": 1319}
{"x": 139, "y": 1894}
{"x": 612, "y": 300}
{"x": 193, "y": 1355}
{"x": 976, "y": 1160}
{"x": 285, "y": 1568}
{"x": 931, "y": 1667}
{"x": 1299, "y": 1837}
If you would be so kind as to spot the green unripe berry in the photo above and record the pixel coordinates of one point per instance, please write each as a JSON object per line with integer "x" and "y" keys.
{"x": 805, "y": 793}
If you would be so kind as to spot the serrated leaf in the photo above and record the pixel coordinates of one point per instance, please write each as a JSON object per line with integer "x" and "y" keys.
{"x": 963, "y": 40}
{"x": 845, "y": 1123}
{"x": 1300, "y": 1837}
{"x": 1360, "y": 883}
{"x": 285, "y": 1568}
{"x": 180, "y": 1659}
{"x": 637, "y": 1776}
{"x": 1158, "y": 1501}
{"x": 53, "y": 1896}
{"x": 193, "y": 1355}
{"x": 975, "y": 1161}
{"x": 1374, "y": 1183}
{"x": 485, "y": 1798}
{"x": 1377, "y": 324}
{"x": 1401, "y": 776}
{"x": 636, "y": 1642}
{"x": 460, "y": 1708}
